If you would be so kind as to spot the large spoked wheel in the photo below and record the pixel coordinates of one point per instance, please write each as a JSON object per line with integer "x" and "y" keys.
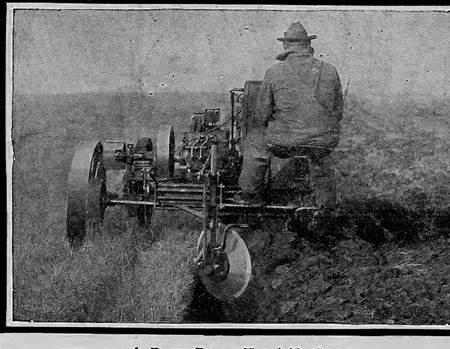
{"x": 165, "y": 151}
{"x": 86, "y": 194}
{"x": 227, "y": 269}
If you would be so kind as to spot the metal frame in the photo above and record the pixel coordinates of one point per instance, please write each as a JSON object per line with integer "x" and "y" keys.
{"x": 208, "y": 199}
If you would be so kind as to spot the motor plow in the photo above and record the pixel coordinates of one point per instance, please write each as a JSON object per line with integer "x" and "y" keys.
{"x": 199, "y": 175}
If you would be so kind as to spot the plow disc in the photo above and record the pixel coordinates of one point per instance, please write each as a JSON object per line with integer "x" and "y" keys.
{"x": 86, "y": 191}
{"x": 231, "y": 268}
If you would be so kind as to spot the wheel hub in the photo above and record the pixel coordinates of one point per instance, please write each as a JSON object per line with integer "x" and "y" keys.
{"x": 217, "y": 265}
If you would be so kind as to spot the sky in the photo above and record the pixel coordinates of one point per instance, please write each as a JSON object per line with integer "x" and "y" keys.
{"x": 87, "y": 51}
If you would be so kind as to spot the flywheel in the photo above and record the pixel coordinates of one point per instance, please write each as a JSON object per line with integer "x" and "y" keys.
{"x": 165, "y": 151}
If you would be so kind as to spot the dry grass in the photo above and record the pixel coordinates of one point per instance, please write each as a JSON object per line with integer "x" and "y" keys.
{"x": 120, "y": 276}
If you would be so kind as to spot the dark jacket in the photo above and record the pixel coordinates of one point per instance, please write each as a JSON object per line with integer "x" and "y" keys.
{"x": 300, "y": 102}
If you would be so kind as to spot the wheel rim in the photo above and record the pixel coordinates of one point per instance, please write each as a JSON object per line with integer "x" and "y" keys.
{"x": 86, "y": 190}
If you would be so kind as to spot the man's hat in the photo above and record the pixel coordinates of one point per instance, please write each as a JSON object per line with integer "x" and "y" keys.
{"x": 296, "y": 32}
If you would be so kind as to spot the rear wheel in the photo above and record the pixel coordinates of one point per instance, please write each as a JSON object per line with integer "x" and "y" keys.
{"x": 86, "y": 195}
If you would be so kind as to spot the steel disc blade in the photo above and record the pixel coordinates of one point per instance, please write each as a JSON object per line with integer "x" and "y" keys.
{"x": 239, "y": 273}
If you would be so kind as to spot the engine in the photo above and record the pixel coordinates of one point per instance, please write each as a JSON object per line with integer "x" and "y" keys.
{"x": 212, "y": 144}
{"x": 193, "y": 154}
{"x": 137, "y": 160}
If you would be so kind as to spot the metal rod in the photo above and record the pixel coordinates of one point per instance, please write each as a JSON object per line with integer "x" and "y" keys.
{"x": 232, "y": 119}
{"x": 132, "y": 202}
{"x": 267, "y": 214}
{"x": 155, "y": 193}
{"x": 167, "y": 205}
{"x": 226, "y": 191}
{"x": 151, "y": 203}
{"x": 205, "y": 224}
{"x": 180, "y": 198}
{"x": 166, "y": 208}
{"x": 176, "y": 185}
{"x": 193, "y": 212}
{"x": 170, "y": 202}
{"x": 213, "y": 156}
{"x": 221, "y": 194}
{"x": 185, "y": 204}
{"x": 269, "y": 207}
{"x": 180, "y": 190}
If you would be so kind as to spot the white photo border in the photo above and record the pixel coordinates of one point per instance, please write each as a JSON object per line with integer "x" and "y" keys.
{"x": 11, "y": 7}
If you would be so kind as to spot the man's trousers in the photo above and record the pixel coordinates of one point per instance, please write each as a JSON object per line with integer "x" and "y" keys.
{"x": 256, "y": 162}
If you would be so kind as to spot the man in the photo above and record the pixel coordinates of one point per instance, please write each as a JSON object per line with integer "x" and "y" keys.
{"x": 298, "y": 110}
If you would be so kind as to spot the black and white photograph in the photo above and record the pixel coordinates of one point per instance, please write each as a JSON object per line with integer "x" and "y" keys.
{"x": 179, "y": 165}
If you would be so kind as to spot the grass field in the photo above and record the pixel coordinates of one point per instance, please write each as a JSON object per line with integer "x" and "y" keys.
{"x": 124, "y": 275}
{"x": 392, "y": 160}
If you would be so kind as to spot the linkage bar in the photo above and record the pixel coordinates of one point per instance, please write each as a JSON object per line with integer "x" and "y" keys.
{"x": 269, "y": 207}
{"x": 132, "y": 202}
{"x": 193, "y": 212}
